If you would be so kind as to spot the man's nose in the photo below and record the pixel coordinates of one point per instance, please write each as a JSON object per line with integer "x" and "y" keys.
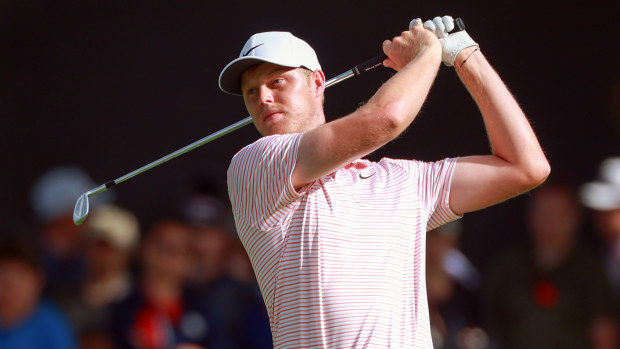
{"x": 266, "y": 95}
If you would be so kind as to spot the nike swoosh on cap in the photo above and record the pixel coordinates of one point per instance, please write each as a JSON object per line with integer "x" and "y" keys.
{"x": 250, "y": 50}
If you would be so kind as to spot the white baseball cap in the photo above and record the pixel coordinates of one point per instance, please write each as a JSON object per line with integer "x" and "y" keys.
{"x": 281, "y": 48}
{"x": 604, "y": 194}
{"x": 54, "y": 193}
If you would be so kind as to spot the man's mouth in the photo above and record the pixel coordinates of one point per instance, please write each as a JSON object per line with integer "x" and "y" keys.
{"x": 270, "y": 114}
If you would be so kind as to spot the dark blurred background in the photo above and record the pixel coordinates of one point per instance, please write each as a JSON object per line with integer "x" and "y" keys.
{"x": 112, "y": 85}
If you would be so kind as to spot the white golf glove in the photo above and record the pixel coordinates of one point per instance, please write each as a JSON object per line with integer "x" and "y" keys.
{"x": 452, "y": 43}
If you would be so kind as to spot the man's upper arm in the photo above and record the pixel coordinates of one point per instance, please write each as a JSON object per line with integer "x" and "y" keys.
{"x": 485, "y": 180}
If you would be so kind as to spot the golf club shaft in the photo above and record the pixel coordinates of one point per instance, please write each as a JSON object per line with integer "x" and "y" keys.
{"x": 355, "y": 71}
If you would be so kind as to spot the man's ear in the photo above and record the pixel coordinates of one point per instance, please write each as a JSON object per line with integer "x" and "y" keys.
{"x": 318, "y": 78}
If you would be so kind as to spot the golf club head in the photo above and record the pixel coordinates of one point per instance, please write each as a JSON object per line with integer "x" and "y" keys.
{"x": 81, "y": 209}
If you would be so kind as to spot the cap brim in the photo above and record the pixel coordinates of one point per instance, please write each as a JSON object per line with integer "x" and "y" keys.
{"x": 230, "y": 77}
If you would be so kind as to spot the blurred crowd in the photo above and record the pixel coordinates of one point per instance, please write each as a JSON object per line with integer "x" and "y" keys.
{"x": 185, "y": 282}
{"x": 558, "y": 288}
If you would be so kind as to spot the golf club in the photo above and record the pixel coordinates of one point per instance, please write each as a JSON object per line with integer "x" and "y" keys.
{"x": 81, "y": 209}
{"x": 82, "y": 206}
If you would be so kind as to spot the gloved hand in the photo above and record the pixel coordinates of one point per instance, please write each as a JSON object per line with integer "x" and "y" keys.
{"x": 452, "y": 43}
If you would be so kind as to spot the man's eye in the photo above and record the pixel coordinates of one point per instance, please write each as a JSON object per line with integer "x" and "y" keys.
{"x": 277, "y": 81}
{"x": 251, "y": 91}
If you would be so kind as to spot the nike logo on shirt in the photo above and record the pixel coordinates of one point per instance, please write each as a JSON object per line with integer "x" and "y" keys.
{"x": 363, "y": 176}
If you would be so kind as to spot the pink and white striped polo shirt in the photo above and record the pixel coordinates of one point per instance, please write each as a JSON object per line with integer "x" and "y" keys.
{"x": 341, "y": 263}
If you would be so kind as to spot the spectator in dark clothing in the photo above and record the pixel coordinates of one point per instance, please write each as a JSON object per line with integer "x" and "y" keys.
{"x": 158, "y": 314}
{"x": 554, "y": 292}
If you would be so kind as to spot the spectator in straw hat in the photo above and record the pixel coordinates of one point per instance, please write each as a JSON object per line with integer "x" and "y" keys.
{"x": 111, "y": 235}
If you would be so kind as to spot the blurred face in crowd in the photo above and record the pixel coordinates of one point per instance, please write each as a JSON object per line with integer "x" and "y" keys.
{"x": 554, "y": 217}
{"x": 62, "y": 237}
{"x": 20, "y": 289}
{"x": 166, "y": 251}
{"x": 104, "y": 259}
{"x": 608, "y": 224}
{"x": 209, "y": 246}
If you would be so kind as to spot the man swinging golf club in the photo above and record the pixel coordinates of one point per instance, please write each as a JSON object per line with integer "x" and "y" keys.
{"x": 338, "y": 242}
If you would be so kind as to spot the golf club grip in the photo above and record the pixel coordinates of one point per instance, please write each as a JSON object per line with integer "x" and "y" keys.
{"x": 460, "y": 23}
{"x": 369, "y": 64}
{"x": 378, "y": 60}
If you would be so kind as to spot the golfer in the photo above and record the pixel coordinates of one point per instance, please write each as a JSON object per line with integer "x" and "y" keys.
{"x": 337, "y": 242}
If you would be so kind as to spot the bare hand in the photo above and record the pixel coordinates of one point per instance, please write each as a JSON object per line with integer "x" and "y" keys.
{"x": 404, "y": 48}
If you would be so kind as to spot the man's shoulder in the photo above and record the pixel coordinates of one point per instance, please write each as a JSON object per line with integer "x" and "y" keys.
{"x": 265, "y": 158}
{"x": 402, "y": 164}
{"x": 264, "y": 146}
{"x": 418, "y": 163}
{"x": 268, "y": 142}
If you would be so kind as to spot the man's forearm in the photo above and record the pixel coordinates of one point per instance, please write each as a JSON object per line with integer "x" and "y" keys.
{"x": 404, "y": 94}
{"x": 511, "y": 136}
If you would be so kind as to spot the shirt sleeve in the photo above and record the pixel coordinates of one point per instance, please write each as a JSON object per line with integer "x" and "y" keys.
{"x": 259, "y": 181}
{"x": 433, "y": 182}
